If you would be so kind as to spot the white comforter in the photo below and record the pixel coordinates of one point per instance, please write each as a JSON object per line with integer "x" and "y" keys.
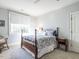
{"x": 45, "y": 44}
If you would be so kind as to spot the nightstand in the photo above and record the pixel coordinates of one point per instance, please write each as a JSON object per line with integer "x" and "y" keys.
{"x": 64, "y": 42}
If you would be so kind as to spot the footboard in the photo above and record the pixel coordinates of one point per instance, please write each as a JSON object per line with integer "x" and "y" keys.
{"x": 29, "y": 46}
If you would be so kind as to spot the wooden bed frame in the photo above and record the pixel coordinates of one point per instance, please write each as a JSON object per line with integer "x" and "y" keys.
{"x": 31, "y": 47}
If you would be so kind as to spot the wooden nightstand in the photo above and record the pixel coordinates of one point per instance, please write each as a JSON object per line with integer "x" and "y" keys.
{"x": 64, "y": 42}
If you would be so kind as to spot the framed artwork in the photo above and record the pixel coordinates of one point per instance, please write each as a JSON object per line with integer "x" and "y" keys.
{"x": 2, "y": 23}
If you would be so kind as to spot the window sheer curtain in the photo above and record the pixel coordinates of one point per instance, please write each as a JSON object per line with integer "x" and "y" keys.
{"x": 19, "y": 23}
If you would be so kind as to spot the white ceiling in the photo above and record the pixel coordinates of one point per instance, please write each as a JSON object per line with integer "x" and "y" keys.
{"x": 34, "y": 9}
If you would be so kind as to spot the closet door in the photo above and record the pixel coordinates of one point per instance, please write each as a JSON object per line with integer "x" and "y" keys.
{"x": 75, "y": 32}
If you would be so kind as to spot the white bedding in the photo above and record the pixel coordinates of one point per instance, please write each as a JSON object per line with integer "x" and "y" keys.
{"x": 45, "y": 44}
{"x": 46, "y": 50}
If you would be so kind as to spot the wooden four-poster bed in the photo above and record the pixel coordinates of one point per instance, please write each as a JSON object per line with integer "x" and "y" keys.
{"x": 39, "y": 45}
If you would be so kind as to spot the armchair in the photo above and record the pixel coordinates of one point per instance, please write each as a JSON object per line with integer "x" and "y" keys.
{"x": 3, "y": 41}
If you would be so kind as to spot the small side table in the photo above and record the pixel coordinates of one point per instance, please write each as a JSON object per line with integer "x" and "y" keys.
{"x": 64, "y": 42}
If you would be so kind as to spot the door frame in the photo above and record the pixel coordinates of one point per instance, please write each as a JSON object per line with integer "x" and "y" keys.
{"x": 71, "y": 27}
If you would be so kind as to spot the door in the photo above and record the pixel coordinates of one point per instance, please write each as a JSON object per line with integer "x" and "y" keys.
{"x": 75, "y": 32}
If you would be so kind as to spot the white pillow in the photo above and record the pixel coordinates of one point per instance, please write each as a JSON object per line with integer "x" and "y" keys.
{"x": 41, "y": 33}
{"x": 49, "y": 33}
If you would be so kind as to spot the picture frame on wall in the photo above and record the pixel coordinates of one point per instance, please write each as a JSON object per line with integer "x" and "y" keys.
{"x": 2, "y": 23}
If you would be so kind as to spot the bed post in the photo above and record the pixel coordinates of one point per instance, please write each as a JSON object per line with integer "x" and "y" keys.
{"x": 57, "y": 33}
{"x": 21, "y": 40}
{"x": 36, "y": 48}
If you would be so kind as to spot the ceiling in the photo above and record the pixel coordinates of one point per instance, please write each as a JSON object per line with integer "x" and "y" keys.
{"x": 35, "y": 9}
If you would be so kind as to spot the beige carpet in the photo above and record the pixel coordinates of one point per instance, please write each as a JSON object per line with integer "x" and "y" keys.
{"x": 60, "y": 54}
{"x": 18, "y": 53}
{"x": 15, "y": 53}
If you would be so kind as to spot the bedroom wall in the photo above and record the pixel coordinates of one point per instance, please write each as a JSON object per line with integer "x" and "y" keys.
{"x": 59, "y": 18}
{"x": 4, "y": 16}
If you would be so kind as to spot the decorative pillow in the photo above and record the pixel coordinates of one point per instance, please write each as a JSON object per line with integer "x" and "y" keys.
{"x": 49, "y": 32}
{"x": 41, "y": 33}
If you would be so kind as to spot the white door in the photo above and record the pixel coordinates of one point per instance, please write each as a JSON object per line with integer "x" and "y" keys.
{"x": 75, "y": 32}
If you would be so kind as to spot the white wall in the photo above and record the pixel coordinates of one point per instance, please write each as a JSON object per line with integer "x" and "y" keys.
{"x": 59, "y": 18}
{"x": 4, "y": 16}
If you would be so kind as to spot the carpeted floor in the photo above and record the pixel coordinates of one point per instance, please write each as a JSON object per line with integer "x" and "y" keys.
{"x": 18, "y": 53}
{"x": 61, "y": 54}
{"x": 15, "y": 53}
